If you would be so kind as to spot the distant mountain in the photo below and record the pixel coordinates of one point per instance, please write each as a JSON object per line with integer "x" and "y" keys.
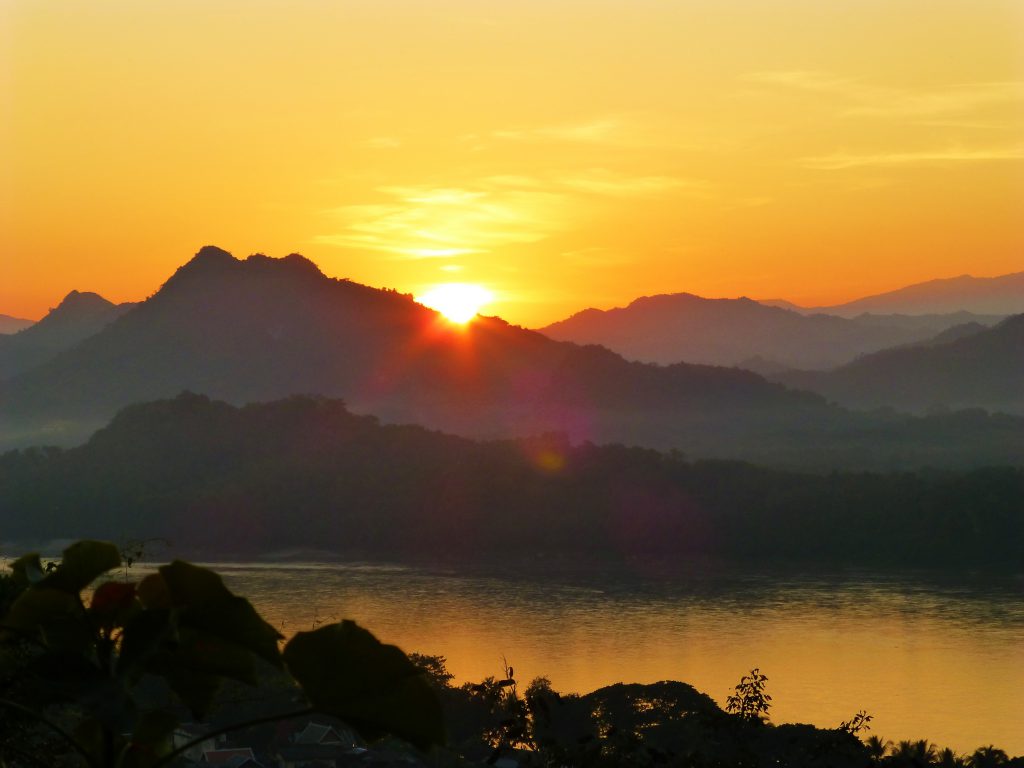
{"x": 307, "y": 472}
{"x": 1003, "y": 295}
{"x": 78, "y": 316}
{"x": 10, "y": 324}
{"x": 261, "y": 328}
{"x": 683, "y": 327}
{"x": 976, "y": 367}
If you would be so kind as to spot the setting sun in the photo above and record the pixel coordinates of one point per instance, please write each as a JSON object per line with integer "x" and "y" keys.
{"x": 459, "y": 302}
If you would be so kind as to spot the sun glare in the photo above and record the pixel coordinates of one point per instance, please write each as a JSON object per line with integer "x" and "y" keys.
{"x": 459, "y": 302}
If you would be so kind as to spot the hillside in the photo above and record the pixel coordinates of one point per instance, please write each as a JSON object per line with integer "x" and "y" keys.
{"x": 307, "y": 472}
{"x": 1002, "y": 295}
{"x": 683, "y": 327}
{"x": 10, "y": 324}
{"x": 262, "y": 328}
{"x": 984, "y": 368}
{"x": 78, "y": 316}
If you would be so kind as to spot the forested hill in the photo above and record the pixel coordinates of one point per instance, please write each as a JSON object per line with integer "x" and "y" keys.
{"x": 306, "y": 472}
{"x": 261, "y": 328}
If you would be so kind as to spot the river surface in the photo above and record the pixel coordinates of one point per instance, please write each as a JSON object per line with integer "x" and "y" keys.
{"x": 929, "y": 658}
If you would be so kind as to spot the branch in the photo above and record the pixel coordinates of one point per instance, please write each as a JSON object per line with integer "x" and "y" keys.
{"x": 228, "y": 729}
{"x": 8, "y": 704}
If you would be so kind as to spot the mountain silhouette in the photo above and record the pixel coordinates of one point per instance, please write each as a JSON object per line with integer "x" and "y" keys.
{"x": 263, "y": 328}
{"x": 78, "y": 316}
{"x": 976, "y": 368}
{"x": 1002, "y": 295}
{"x": 259, "y": 329}
{"x": 684, "y": 327}
{"x": 308, "y": 473}
{"x": 10, "y": 324}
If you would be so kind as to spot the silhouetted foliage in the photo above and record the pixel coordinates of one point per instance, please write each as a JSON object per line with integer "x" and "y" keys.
{"x": 307, "y": 472}
{"x": 76, "y": 666}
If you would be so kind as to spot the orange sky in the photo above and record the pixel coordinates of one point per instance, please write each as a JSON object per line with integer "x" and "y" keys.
{"x": 563, "y": 154}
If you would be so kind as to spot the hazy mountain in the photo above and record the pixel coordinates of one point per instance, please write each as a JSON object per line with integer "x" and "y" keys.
{"x": 683, "y": 327}
{"x": 305, "y": 472}
{"x": 978, "y": 367}
{"x": 264, "y": 328}
{"x": 78, "y": 316}
{"x": 10, "y": 324}
{"x": 1003, "y": 295}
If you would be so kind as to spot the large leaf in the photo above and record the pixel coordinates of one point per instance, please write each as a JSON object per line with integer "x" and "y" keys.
{"x": 27, "y": 569}
{"x": 81, "y": 564}
{"x": 206, "y": 604}
{"x": 52, "y": 616}
{"x": 346, "y": 672}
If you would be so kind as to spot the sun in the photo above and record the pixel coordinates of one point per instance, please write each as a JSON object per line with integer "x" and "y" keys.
{"x": 458, "y": 302}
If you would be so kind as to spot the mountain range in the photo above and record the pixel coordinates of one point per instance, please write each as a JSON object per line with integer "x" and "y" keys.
{"x": 741, "y": 332}
{"x": 1001, "y": 295}
{"x": 308, "y": 473}
{"x": 968, "y": 367}
{"x": 259, "y": 329}
{"x": 10, "y": 324}
{"x": 78, "y": 316}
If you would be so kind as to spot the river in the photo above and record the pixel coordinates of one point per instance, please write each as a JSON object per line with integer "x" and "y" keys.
{"x": 929, "y": 658}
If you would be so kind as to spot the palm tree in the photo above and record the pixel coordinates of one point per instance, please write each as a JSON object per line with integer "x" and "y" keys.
{"x": 877, "y": 747}
{"x": 988, "y": 757}
{"x": 914, "y": 754}
{"x": 947, "y": 758}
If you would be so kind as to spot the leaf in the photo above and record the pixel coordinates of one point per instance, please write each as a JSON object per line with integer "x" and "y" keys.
{"x": 206, "y": 604}
{"x": 27, "y": 569}
{"x": 143, "y": 638}
{"x": 153, "y": 592}
{"x": 346, "y": 672}
{"x": 112, "y": 602}
{"x": 52, "y": 615}
{"x": 208, "y": 653}
{"x": 83, "y": 563}
{"x": 196, "y": 689}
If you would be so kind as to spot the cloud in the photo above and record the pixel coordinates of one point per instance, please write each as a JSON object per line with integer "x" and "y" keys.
{"x": 423, "y": 222}
{"x": 867, "y": 100}
{"x": 842, "y": 160}
{"x": 599, "y": 131}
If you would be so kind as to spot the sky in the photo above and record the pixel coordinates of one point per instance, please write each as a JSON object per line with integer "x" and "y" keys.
{"x": 560, "y": 153}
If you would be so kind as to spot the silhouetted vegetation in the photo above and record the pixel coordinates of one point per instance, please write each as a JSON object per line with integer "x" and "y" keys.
{"x": 307, "y": 472}
{"x": 105, "y": 679}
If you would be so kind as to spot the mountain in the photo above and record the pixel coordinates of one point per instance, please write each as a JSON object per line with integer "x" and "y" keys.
{"x": 1003, "y": 295}
{"x": 307, "y": 472}
{"x": 683, "y": 327}
{"x": 260, "y": 329}
{"x": 975, "y": 368}
{"x": 10, "y": 324}
{"x": 78, "y": 316}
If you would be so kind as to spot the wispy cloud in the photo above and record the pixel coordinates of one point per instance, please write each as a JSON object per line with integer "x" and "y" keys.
{"x": 599, "y": 131}
{"x": 842, "y": 160}
{"x": 868, "y": 100}
{"x": 422, "y": 222}
{"x": 441, "y": 222}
